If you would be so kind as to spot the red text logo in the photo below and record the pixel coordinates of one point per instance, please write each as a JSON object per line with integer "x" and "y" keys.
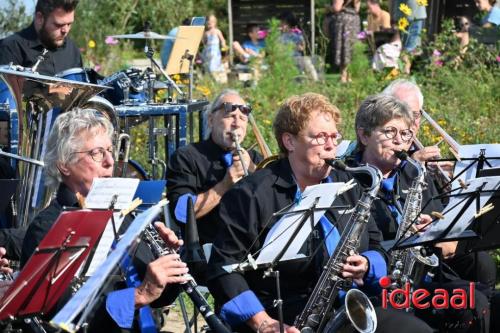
{"x": 405, "y": 298}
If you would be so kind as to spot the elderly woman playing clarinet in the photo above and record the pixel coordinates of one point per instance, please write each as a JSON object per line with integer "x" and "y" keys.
{"x": 383, "y": 129}
{"x": 81, "y": 149}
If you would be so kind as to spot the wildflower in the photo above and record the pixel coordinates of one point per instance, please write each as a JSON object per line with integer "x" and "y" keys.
{"x": 111, "y": 41}
{"x": 422, "y": 3}
{"x": 91, "y": 44}
{"x": 498, "y": 58}
{"x": 405, "y": 9}
{"x": 392, "y": 74}
{"x": 262, "y": 34}
{"x": 436, "y": 53}
{"x": 267, "y": 121}
{"x": 362, "y": 35}
{"x": 438, "y": 63}
{"x": 403, "y": 24}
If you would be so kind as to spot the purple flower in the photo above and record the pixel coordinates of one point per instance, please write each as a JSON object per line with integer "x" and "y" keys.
{"x": 362, "y": 35}
{"x": 110, "y": 41}
{"x": 262, "y": 34}
{"x": 438, "y": 63}
{"x": 498, "y": 58}
{"x": 436, "y": 53}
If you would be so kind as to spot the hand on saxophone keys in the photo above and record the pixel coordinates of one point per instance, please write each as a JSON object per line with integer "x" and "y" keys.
{"x": 355, "y": 268}
{"x": 164, "y": 271}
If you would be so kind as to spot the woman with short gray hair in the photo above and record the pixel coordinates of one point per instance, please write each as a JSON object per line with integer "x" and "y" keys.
{"x": 66, "y": 139}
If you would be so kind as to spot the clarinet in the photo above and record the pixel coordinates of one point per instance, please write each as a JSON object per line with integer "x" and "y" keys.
{"x": 159, "y": 248}
{"x": 317, "y": 312}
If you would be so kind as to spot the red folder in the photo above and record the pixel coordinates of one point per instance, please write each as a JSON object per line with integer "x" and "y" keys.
{"x": 52, "y": 267}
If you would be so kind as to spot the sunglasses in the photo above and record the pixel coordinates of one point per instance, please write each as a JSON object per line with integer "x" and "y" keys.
{"x": 230, "y": 107}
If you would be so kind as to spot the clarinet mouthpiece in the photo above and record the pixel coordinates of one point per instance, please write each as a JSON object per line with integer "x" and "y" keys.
{"x": 337, "y": 164}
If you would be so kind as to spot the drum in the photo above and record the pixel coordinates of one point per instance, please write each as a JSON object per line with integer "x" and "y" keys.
{"x": 134, "y": 170}
{"x": 75, "y": 74}
{"x": 130, "y": 80}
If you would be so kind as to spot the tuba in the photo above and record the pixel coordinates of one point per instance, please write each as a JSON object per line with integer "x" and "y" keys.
{"x": 357, "y": 311}
{"x": 34, "y": 102}
{"x": 409, "y": 265}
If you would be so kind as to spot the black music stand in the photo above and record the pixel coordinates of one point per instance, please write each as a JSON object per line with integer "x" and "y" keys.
{"x": 51, "y": 269}
{"x": 457, "y": 228}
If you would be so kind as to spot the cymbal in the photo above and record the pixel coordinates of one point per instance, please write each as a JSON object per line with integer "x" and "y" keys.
{"x": 143, "y": 35}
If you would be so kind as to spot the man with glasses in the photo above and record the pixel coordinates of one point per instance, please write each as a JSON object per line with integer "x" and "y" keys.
{"x": 80, "y": 149}
{"x": 305, "y": 128}
{"x": 478, "y": 267}
{"x": 205, "y": 170}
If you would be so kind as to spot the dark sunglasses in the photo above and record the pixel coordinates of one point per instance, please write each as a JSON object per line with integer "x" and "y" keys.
{"x": 230, "y": 107}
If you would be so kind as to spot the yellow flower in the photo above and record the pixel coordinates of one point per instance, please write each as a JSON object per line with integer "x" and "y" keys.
{"x": 405, "y": 9}
{"x": 403, "y": 24}
{"x": 392, "y": 74}
{"x": 422, "y": 3}
{"x": 91, "y": 44}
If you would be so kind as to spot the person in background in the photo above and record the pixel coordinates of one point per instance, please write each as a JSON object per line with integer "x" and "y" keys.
{"x": 412, "y": 39}
{"x": 213, "y": 39}
{"x": 492, "y": 13}
{"x": 50, "y": 28}
{"x": 251, "y": 47}
{"x": 387, "y": 55}
{"x": 345, "y": 29}
{"x": 378, "y": 19}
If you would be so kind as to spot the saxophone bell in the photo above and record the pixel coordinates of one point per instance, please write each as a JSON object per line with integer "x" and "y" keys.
{"x": 357, "y": 312}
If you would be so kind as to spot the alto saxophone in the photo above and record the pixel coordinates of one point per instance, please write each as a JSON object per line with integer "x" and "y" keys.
{"x": 357, "y": 309}
{"x": 159, "y": 248}
{"x": 409, "y": 265}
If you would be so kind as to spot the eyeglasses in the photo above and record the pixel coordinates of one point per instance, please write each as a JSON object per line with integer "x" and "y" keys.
{"x": 98, "y": 154}
{"x": 391, "y": 132}
{"x": 230, "y": 107}
{"x": 322, "y": 137}
{"x": 417, "y": 114}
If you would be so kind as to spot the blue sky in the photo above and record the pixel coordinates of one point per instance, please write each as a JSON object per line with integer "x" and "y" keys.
{"x": 30, "y": 5}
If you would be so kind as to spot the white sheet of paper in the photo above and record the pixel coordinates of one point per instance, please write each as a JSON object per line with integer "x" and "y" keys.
{"x": 99, "y": 197}
{"x": 450, "y": 213}
{"x": 103, "y": 189}
{"x": 281, "y": 232}
{"x": 472, "y": 151}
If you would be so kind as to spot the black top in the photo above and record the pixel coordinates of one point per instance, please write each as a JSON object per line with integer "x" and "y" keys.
{"x": 195, "y": 169}
{"x": 23, "y": 48}
{"x": 42, "y": 223}
{"x": 405, "y": 175}
{"x": 244, "y": 212}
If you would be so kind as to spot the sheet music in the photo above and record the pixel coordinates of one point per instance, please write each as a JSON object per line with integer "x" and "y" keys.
{"x": 103, "y": 189}
{"x": 80, "y": 301}
{"x": 472, "y": 151}
{"x": 281, "y": 232}
{"x": 99, "y": 197}
{"x": 438, "y": 226}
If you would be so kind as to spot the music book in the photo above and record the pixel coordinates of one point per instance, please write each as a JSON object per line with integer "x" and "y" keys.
{"x": 100, "y": 196}
{"x": 52, "y": 267}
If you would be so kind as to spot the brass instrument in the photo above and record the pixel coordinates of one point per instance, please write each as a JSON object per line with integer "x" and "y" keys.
{"x": 123, "y": 144}
{"x": 239, "y": 150}
{"x": 263, "y": 147}
{"x": 409, "y": 265}
{"x": 37, "y": 99}
{"x": 454, "y": 145}
{"x": 357, "y": 310}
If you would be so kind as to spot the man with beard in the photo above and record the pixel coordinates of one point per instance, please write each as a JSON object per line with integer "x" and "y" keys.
{"x": 49, "y": 30}
{"x": 207, "y": 169}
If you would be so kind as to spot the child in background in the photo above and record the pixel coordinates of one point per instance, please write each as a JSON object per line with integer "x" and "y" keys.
{"x": 213, "y": 40}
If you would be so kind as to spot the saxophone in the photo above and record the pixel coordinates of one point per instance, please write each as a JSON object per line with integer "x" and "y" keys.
{"x": 357, "y": 309}
{"x": 159, "y": 248}
{"x": 409, "y": 265}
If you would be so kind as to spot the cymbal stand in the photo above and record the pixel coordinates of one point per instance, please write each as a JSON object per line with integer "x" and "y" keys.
{"x": 189, "y": 57}
{"x": 149, "y": 54}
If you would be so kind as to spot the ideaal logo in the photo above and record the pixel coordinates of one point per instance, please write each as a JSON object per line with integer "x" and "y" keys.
{"x": 405, "y": 298}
